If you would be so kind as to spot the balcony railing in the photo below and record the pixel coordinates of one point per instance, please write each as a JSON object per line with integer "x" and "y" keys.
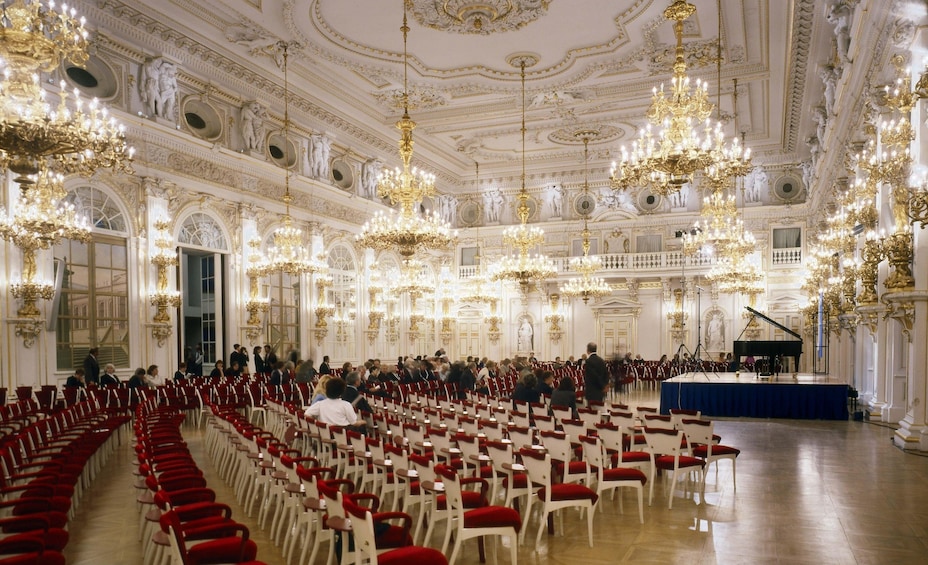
{"x": 787, "y": 256}
{"x": 623, "y": 263}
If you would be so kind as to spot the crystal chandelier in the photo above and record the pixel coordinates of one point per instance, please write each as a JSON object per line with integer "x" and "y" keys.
{"x": 40, "y": 220}
{"x": 288, "y": 253}
{"x": 587, "y": 285}
{"x": 524, "y": 268}
{"x": 412, "y": 280}
{"x": 410, "y": 230}
{"x": 669, "y": 158}
{"x": 36, "y": 38}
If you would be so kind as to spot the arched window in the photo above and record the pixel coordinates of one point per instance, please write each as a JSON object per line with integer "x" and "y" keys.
{"x": 93, "y": 304}
{"x": 201, "y": 230}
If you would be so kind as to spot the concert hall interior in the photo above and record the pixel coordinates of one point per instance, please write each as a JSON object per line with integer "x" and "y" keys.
{"x": 727, "y": 197}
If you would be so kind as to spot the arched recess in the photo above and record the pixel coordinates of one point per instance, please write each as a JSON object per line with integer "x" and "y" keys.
{"x": 204, "y": 255}
{"x": 343, "y": 297}
{"x": 91, "y": 306}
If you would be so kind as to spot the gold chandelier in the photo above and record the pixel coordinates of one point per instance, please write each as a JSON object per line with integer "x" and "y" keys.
{"x": 288, "y": 253}
{"x": 412, "y": 280}
{"x": 41, "y": 220}
{"x": 669, "y": 158}
{"x": 410, "y": 230}
{"x": 524, "y": 268}
{"x": 35, "y": 39}
{"x": 587, "y": 285}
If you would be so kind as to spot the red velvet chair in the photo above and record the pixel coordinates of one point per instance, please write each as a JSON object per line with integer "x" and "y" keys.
{"x": 555, "y": 496}
{"x": 477, "y": 522}
{"x": 362, "y": 523}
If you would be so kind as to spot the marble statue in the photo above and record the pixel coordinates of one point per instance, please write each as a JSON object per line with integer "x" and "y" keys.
{"x": 556, "y": 199}
{"x": 830, "y": 75}
{"x": 158, "y": 87}
{"x": 254, "y": 117}
{"x": 370, "y": 174}
{"x": 758, "y": 186}
{"x": 317, "y": 155}
{"x": 841, "y": 16}
{"x": 447, "y": 205}
{"x": 493, "y": 204}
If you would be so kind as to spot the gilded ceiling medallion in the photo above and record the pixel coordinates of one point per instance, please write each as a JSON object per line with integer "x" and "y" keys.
{"x": 575, "y": 135}
{"x": 418, "y": 98}
{"x": 477, "y": 16}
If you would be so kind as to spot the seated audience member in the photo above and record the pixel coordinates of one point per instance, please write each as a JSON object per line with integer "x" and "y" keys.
{"x": 525, "y": 388}
{"x": 152, "y": 378}
{"x": 565, "y": 395}
{"x": 287, "y": 373}
{"x": 137, "y": 380}
{"x": 76, "y": 380}
{"x": 277, "y": 375}
{"x": 352, "y": 394}
{"x": 218, "y": 370}
{"x": 234, "y": 371}
{"x": 333, "y": 410}
{"x": 544, "y": 386}
{"x": 109, "y": 376}
{"x": 319, "y": 391}
{"x": 305, "y": 372}
{"x": 181, "y": 372}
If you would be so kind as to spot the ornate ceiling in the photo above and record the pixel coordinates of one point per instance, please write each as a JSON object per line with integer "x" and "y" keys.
{"x": 597, "y": 63}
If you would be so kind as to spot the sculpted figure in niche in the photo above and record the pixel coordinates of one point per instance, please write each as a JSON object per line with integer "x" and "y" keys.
{"x": 715, "y": 333}
{"x": 493, "y": 204}
{"x": 526, "y": 336}
{"x": 808, "y": 169}
{"x": 318, "y": 156}
{"x": 830, "y": 76}
{"x": 678, "y": 199}
{"x": 158, "y": 87}
{"x": 370, "y": 174}
{"x": 759, "y": 185}
{"x": 814, "y": 148}
{"x": 841, "y": 16}
{"x": 447, "y": 204}
{"x": 253, "y": 119}
{"x": 556, "y": 199}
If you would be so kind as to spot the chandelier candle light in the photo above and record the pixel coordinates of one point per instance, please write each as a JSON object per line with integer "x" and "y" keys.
{"x": 669, "y": 158}
{"x": 35, "y": 38}
{"x": 587, "y": 285}
{"x": 288, "y": 253}
{"x": 164, "y": 257}
{"x": 524, "y": 268}
{"x": 406, "y": 186}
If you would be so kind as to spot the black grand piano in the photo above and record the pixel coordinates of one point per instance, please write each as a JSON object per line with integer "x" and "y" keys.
{"x": 773, "y": 352}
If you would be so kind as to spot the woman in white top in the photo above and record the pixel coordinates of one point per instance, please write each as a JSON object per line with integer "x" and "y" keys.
{"x": 333, "y": 410}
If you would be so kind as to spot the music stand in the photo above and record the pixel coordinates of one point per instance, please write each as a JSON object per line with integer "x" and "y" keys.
{"x": 699, "y": 347}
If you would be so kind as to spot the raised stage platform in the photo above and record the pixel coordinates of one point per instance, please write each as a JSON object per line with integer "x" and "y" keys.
{"x": 807, "y": 397}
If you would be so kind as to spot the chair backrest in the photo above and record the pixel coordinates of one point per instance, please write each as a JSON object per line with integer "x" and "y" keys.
{"x": 545, "y": 422}
{"x": 593, "y": 453}
{"x": 590, "y": 417}
{"x": 558, "y": 445}
{"x": 658, "y": 421}
{"x": 662, "y": 441}
{"x": 574, "y": 428}
{"x": 697, "y": 432}
{"x": 678, "y": 414}
{"x": 538, "y": 467}
{"x": 611, "y": 435}
{"x": 362, "y": 526}
{"x": 521, "y": 436}
{"x": 452, "y": 484}
{"x": 519, "y": 418}
{"x": 499, "y": 453}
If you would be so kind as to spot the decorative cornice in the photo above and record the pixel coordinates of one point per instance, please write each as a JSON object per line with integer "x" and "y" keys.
{"x": 796, "y": 72}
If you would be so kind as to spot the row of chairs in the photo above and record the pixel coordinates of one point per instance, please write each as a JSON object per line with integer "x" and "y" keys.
{"x": 181, "y": 522}
{"x": 47, "y": 463}
{"x": 300, "y": 499}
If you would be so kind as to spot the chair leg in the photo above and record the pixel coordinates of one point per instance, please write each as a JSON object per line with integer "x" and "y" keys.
{"x": 514, "y": 547}
{"x": 541, "y": 527}
{"x": 589, "y": 524}
{"x": 640, "y": 504}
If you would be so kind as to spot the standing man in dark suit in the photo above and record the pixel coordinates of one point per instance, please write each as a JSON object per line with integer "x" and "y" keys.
{"x": 324, "y": 366}
{"x": 92, "y": 367}
{"x": 596, "y": 379}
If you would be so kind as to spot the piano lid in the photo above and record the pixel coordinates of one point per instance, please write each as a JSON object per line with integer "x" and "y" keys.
{"x": 769, "y": 321}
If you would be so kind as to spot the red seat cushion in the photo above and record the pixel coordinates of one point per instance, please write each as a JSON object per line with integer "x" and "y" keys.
{"x": 631, "y": 457}
{"x": 717, "y": 450}
{"x": 486, "y": 472}
{"x": 394, "y": 536}
{"x": 412, "y": 554}
{"x": 666, "y": 462}
{"x": 569, "y": 491}
{"x": 520, "y": 480}
{"x": 222, "y": 550}
{"x": 492, "y": 517}
{"x": 471, "y": 499}
{"x": 624, "y": 474}
{"x": 576, "y": 467}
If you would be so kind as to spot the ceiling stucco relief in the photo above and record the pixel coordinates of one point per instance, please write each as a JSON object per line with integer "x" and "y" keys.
{"x": 478, "y": 17}
{"x": 418, "y": 98}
